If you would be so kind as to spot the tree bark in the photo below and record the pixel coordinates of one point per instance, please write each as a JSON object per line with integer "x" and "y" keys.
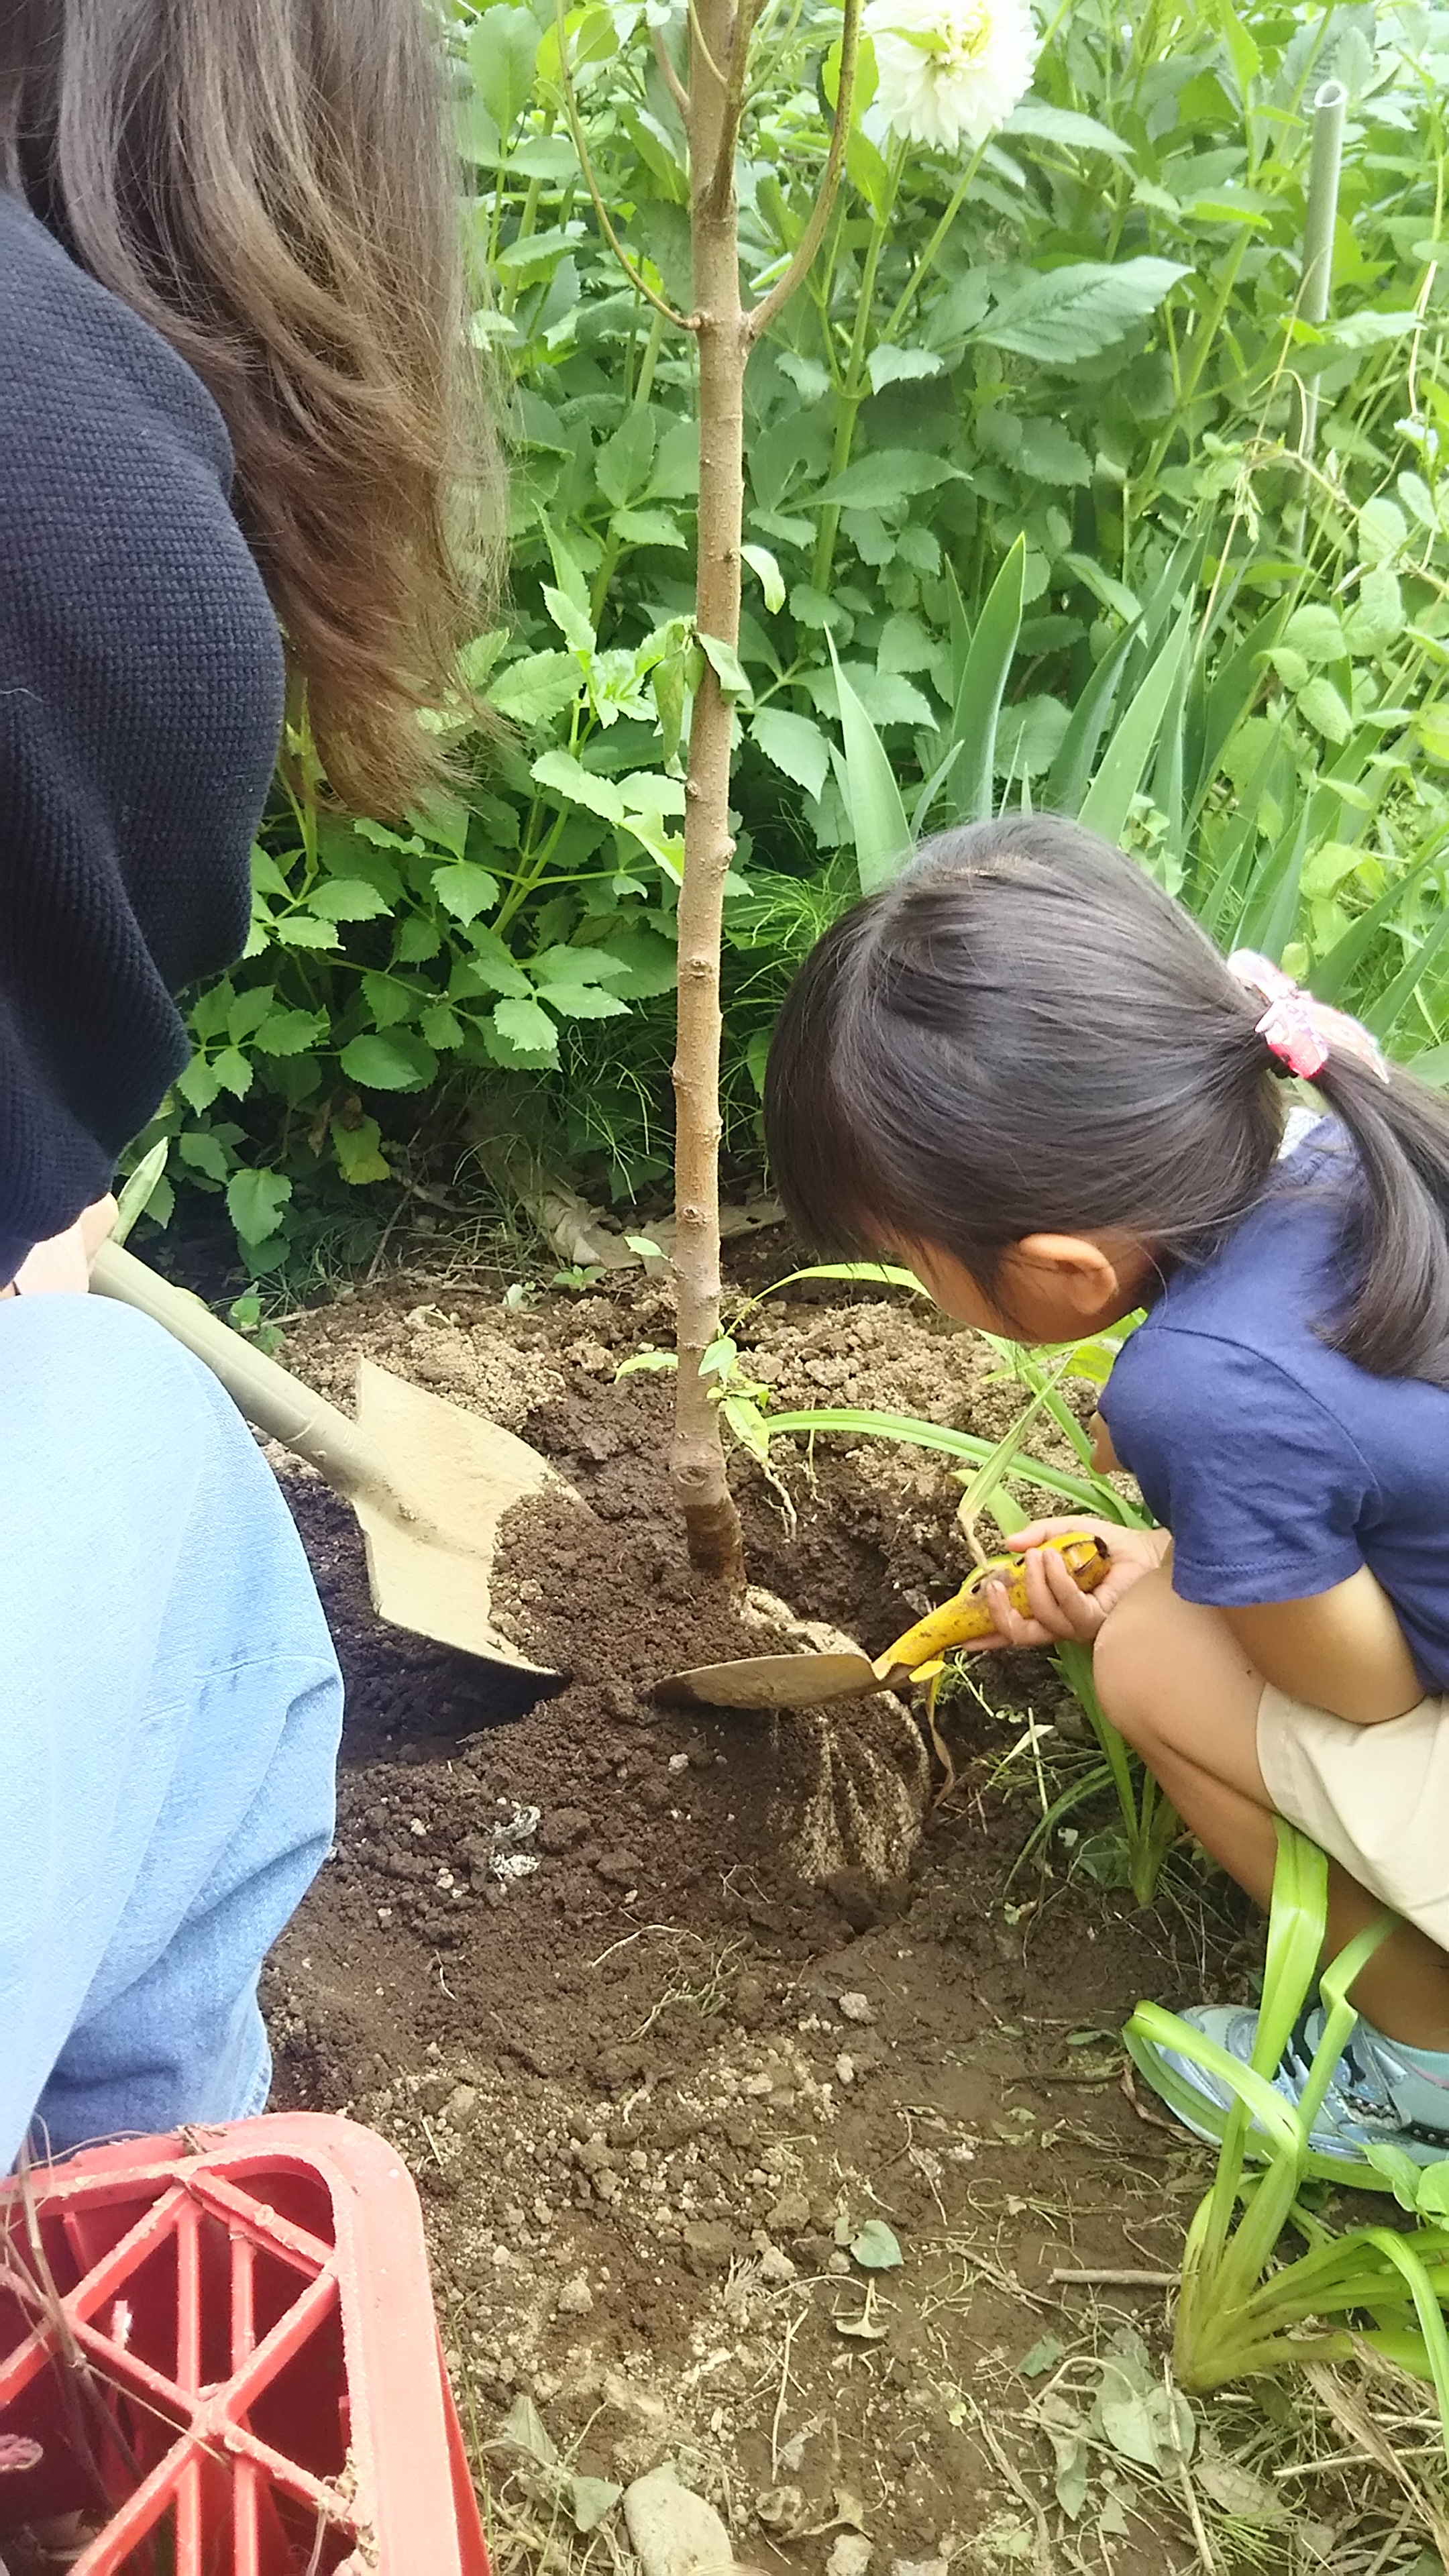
{"x": 719, "y": 39}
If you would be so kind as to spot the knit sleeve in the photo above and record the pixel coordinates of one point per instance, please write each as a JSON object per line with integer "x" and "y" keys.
{"x": 140, "y": 706}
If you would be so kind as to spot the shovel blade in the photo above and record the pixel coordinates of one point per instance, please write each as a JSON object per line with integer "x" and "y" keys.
{"x": 430, "y": 1522}
{"x": 770, "y": 1681}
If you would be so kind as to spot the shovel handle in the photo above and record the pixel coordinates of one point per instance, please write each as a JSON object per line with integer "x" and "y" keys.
{"x": 272, "y": 1400}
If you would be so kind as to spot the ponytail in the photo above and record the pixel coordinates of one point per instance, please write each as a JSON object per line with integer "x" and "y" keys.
{"x": 1396, "y": 1244}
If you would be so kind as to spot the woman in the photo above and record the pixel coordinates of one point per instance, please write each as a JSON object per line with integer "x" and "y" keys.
{"x": 231, "y": 400}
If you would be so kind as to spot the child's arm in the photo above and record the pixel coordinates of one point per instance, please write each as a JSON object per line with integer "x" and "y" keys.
{"x": 1342, "y": 1650}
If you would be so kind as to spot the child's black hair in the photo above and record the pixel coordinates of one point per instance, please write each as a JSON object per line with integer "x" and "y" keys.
{"x": 1024, "y": 1034}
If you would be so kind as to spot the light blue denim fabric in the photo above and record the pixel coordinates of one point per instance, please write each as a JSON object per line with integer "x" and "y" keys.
{"x": 169, "y": 1712}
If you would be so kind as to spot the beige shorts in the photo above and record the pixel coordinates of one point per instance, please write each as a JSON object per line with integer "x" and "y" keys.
{"x": 1376, "y": 1798}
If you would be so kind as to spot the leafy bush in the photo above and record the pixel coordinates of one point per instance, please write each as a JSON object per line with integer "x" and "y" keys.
{"x": 1073, "y": 366}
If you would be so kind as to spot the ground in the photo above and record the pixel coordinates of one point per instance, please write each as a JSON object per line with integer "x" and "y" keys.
{"x": 762, "y": 2101}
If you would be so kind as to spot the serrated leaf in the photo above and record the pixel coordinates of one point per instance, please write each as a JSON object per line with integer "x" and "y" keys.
{"x": 465, "y": 890}
{"x": 538, "y": 687}
{"x": 348, "y": 899}
{"x": 580, "y": 1001}
{"x": 891, "y": 366}
{"x": 572, "y": 621}
{"x": 649, "y": 528}
{"x": 527, "y": 1030}
{"x": 197, "y": 1083}
{"x": 290, "y": 1032}
{"x": 303, "y": 930}
{"x": 1061, "y": 315}
{"x": 569, "y": 778}
{"x": 233, "y": 1072}
{"x": 394, "y": 1060}
{"x": 794, "y": 744}
{"x": 1044, "y": 2355}
{"x": 879, "y": 481}
{"x": 254, "y": 1202}
{"x": 502, "y": 53}
{"x": 203, "y": 1152}
{"x": 876, "y": 2247}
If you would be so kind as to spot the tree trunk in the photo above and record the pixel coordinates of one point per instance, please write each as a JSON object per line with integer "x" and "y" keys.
{"x": 712, "y": 1522}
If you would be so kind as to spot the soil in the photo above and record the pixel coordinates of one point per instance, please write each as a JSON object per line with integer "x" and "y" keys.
{"x": 663, "y": 2006}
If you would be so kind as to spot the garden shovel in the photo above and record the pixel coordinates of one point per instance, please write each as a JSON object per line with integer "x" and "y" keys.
{"x": 429, "y": 1483}
{"x": 809, "y": 1681}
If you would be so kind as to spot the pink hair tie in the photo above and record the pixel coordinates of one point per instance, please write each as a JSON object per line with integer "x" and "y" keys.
{"x": 1299, "y": 1031}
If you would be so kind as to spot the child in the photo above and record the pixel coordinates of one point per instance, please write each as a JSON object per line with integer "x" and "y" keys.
{"x": 1024, "y": 1070}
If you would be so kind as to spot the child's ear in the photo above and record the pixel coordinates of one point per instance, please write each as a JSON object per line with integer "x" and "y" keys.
{"x": 1078, "y": 1270}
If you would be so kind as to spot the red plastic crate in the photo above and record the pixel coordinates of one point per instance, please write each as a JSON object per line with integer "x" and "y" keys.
{"x": 234, "y": 2358}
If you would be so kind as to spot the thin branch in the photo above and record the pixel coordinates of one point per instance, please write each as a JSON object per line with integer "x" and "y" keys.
{"x": 758, "y": 321}
{"x": 697, "y": 31}
{"x": 681, "y": 321}
{"x": 746, "y": 12}
{"x": 672, "y": 81}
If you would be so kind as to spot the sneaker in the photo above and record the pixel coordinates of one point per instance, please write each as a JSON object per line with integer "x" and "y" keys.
{"x": 1377, "y": 2094}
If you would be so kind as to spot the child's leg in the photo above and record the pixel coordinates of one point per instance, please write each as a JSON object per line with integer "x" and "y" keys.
{"x": 169, "y": 1707}
{"x": 1172, "y": 1677}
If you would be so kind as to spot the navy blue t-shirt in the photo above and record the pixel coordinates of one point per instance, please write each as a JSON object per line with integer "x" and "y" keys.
{"x": 1278, "y": 1465}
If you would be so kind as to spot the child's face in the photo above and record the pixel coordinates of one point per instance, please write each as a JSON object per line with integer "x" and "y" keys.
{"x": 1053, "y": 1287}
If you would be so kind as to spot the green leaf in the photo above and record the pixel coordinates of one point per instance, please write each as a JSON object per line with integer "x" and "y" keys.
{"x": 876, "y": 2247}
{"x": 140, "y": 1186}
{"x": 304, "y": 930}
{"x": 1321, "y": 706}
{"x": 1108, "y": 800}
{"x": 1316, "y": 632}
{"x": 1064, "y": 314}
{"x": 197, "y": 1084}
{"x": 391, "y": 1061}
{"x": 526, "y": 1031}
{"x": 794, "y": 744}
{"x": 573, "y": 622}
{"x": 879, "y": 481}
{"x": 873, "y": 799}
{"x": 649, "y": 528}
{"x": 290, "y": 1032}
{"x": 348, "y": 899}
{"x": 1042, "y": 123}
{"x": 465, "y": 890}
{"x": 530, "y": 691}
{"x": 1043, "y": 2356}
{"x": 569, "y": 778}
{"x": 890, "y": 366}
{"x": 201, "y": 1151}
{"x": 621, "y": 467}
{"x": 502, "y": 54}
{"x": 359, "y": 1152}
{"x": 233, "y": 1072}
{"x": 727, "y": 667}
{"x": 983, "y": 685}
{"x": 772, "y": 581}
{"x": 1383, "y": 530}
{"x": 254, "y": 1202}
{"x": 491, "y": 968}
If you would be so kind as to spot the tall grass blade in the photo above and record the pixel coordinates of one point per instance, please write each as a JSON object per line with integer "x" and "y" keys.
{"x": 1108, "y": 801}
{"x": 983, "y": 686}
{"x": 878, "y": 817}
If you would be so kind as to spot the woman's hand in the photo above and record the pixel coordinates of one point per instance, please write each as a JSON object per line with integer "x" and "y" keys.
{"x": 1061, "y": 1612}
{"x": 64, "y": 1262}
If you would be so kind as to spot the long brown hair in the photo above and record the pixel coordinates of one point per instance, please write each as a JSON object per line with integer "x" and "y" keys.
{"x": 1023, "y": 1035}
{"x": 269, "y": 183}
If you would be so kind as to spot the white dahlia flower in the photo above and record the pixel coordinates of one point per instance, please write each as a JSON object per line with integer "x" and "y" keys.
{"x": 950, "y": 69}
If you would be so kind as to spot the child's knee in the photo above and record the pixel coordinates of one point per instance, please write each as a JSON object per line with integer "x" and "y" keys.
{"x": 1127, "y": 1661}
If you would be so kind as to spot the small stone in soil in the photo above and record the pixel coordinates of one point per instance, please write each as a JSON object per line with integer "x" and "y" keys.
{"x": 857, "y": 2008}
{"x": 673, "y": 2531}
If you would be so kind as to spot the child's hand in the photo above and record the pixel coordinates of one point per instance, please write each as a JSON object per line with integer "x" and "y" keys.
{"x": 1061, "y": 1611}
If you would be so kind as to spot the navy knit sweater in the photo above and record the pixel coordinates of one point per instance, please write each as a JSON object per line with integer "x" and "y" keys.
{"x": 140, "y": 708}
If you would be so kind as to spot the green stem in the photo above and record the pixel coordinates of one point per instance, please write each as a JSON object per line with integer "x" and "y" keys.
{"x": 856, "y": 380}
